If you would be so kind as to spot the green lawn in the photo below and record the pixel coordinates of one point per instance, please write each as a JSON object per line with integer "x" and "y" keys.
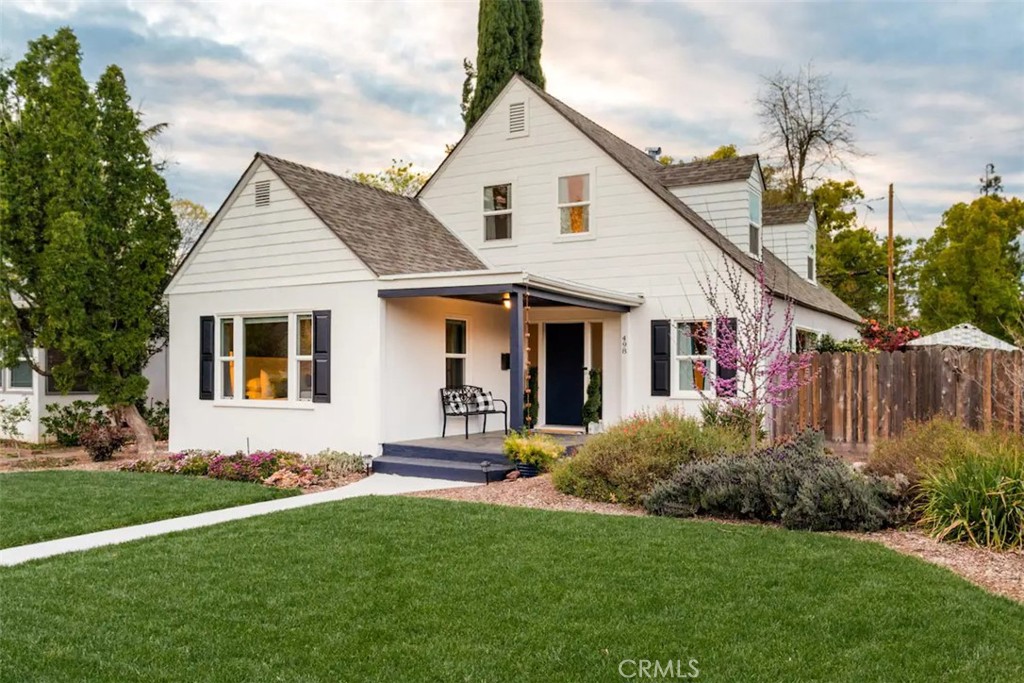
{"x": 39, "y": 506}
{"x": 400, "y": 589}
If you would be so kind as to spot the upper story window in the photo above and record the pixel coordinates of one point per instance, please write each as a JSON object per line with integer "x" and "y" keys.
{"x": 755, "y": 223}
{"x": 810, "y": 262}
{"x": 574, "y": 204}
{"x": 498, "y": 212}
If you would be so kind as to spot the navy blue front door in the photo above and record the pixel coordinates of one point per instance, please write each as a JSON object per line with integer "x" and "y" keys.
{"x": 563, "y": 388}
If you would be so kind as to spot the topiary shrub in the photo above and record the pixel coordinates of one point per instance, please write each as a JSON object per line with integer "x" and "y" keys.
{"x": 793, "y": 482}
{"x": 101, "y": 441}
{"x": 626, "y": 461}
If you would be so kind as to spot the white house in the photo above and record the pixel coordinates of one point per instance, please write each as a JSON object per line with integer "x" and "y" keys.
{"x": 316, "y": 312}
{"x": 22, "y": 383}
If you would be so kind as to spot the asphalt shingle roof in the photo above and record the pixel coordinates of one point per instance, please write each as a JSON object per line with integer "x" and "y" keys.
{"x": 781, "y": 278}
{"x": 390, "y": 233}
{"x": 704, "y": 172}
{"x": 786, "y": 214}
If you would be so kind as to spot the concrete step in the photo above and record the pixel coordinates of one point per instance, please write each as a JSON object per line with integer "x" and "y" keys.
{"x": 442, "y": 453}
{"x": 436, "y": 468}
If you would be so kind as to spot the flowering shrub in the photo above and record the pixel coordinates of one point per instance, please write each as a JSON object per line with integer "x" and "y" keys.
{"x": 622, "y": 464}
{"x": 886, "y": 337}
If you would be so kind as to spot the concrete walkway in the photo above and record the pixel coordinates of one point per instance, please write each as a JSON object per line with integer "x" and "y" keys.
{"x": 374, "y": 485}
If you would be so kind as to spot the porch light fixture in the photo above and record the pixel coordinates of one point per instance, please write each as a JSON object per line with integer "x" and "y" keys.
{"x": 506, "y": 301}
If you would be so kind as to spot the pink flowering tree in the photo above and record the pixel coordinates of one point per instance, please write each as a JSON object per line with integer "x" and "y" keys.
{"x": 750, "y": 344}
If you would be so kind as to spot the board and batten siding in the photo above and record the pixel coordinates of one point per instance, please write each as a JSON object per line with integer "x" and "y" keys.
{"x": 281, "y": 244}
{"x": 637, "y": 243}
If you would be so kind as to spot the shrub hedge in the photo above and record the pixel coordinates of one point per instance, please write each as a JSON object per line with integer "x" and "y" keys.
{"x": 624, "y": 463}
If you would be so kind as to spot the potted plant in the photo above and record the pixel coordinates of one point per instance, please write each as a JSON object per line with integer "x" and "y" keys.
{"x": 532, "y": 453}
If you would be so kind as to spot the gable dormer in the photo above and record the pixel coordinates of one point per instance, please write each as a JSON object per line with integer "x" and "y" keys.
{"x": 791, "y": 233}
{"x": 727, "y": 193}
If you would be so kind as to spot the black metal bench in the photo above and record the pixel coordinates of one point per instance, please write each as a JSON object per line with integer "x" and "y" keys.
{"x": 466, "y": 401}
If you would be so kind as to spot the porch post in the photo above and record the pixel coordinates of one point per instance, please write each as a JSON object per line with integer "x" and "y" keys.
{"x": 516, "y": 365}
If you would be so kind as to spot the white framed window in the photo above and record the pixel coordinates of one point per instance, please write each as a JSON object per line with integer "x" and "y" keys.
{"x": 265, "y": 357}
{"x": 694, "y": 367}
{"x": 810, "y": 262}
{"x": 226, "y": 358}
{"x": 304, "y": 356}
{"x": 456, "y": 352}
{"x": 755, "y": 223}
{"x": 19, "y": 378}
{"x": 498, "y": 212}
{"x": 804, "y": 340}
{"x": 755, "y": 240}
{"x": 574, "y": 204}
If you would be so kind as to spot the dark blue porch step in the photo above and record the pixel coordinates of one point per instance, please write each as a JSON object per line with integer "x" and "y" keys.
{"x": 433, "y": 453}
{"x": 437, "y": 468}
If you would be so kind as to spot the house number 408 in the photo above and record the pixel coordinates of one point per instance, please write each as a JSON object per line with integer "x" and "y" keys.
{"x": 625, "y": 345}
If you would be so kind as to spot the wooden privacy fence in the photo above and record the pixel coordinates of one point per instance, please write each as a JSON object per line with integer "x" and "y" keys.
{"x": 857, "y": 398}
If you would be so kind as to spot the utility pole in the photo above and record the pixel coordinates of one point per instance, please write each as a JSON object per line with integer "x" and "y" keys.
{"x": 892, "y": 279}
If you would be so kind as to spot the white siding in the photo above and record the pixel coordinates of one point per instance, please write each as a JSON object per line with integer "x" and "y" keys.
{"x": 821, "y": 323}
{"x": 793, "y": 244}
{"x": 351, "y": 421}
{"x": 637, "y": 243}
{"x": 250, "y": 247}
{"x": 725, "y": 205}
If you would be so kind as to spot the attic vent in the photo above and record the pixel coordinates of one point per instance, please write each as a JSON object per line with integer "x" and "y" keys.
{"x": 517, "y": 119}
{"x": 263, "y": 193}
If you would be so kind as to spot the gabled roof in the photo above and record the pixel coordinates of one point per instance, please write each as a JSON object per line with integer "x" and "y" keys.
{"x": 390, "y": 233}
{"x": 708, "y": 171}
{"x": 780, "y": 277}
{"x": 963, "y": 335}
{"x": 786, "y": 214}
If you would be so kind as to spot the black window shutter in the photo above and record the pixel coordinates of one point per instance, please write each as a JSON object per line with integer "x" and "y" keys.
{"x": 727, "y": 373}
{"x": 206, "y": 357}
{"x": 321, "y": 356}
{"x": 661, "y": 358}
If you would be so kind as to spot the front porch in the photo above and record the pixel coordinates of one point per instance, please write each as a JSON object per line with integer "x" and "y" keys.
{"x": 525, "y": 339}
{"x": 457, "y": 458}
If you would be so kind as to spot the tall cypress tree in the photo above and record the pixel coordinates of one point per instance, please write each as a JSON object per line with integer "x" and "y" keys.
{"x": 88, "y": 235}
{"x": 509, "y": 37}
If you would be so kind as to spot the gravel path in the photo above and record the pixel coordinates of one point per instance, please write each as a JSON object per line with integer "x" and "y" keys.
{"x": 998, "y": 572}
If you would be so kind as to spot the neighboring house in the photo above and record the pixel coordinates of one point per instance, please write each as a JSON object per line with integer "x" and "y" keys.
{"x": 21, "y": 382}
{"x": 316, "y": 312}
{"x": 964, "y": 336}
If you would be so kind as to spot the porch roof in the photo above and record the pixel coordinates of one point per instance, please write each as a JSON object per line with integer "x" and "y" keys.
{"x": 489, "y": 286}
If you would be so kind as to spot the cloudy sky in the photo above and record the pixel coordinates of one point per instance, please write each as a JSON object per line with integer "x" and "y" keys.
{"x": 347, "y": 86}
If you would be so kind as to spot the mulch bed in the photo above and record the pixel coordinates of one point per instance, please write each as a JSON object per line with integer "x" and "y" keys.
{"x": 55, "y": 457}
{"x": 998, "y": 572}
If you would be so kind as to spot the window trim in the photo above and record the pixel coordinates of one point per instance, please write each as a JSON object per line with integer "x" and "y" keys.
{"x": 591, "y": 191}
{"x": 464, "y": 356}
{"x": 710, "y": 365}
{"x": 502, "y": 212}
{"x": 301, "y": 357}
{"x": 797, "y": 329}
{"x": 238, "y": 400}
{"x": 221, "y": 358}
{"x": 7, "y": 380}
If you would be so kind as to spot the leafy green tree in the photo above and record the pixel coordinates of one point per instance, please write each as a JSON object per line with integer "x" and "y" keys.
{"x": 853, "y": 260}
{"x": 509, "y": 39}
{"x": 724, "y": 152}
{"x": 88, "y": 232}
{"x": 972, "y": 267}
{"x": 399, "y": 178}
{"x": 991, "y": 182}
{"x": 191, "y": 219}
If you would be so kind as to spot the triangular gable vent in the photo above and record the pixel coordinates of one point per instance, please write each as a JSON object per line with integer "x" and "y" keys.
{"x": 517, "y": 119}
